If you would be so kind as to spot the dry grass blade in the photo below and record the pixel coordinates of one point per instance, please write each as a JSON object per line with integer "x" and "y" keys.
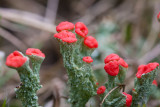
{"x": 149, "y": 56}
{"x": 121, "y": 86}
{"x": 11, "y": 38}
{"x": 96, "y": 10}
{"x": 153, "y": 34}
{"x": 26, "y": 19}
{"x": 51, "y": 11}
{"x": 108, "y": 95}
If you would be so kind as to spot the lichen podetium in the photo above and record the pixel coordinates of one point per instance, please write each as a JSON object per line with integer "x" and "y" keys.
{"x": 26, "y": 92}
{"x": 76, "y": 49}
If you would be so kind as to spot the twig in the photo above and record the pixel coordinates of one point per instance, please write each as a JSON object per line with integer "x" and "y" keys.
{"x": 15, "y": 27}
{"x": 50, "y": 17}
{"x": 96, "y": 10}
{"x": 122, "y": 86}
{"x": 152, "y": 37}
{"x": 51, "y": 11}
{"x": 11, "y": 38}
{"x": 64, "y": 97}
{"x": 27, "y": 18}
{"x": 155, "y": 52}
{"x": 108, "y": 94}
{"x": 119, "y": 86}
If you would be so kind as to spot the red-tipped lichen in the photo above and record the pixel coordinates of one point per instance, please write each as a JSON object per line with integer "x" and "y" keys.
{"x": 66, "y": 36}
{"x": 65, "y": 26}
{"x": 158, "y": 16}
{"x": 81, "y": 29}
{"x": 87, "y": 59}
{"x": 128, "y": 99}
{"x": 101, "y": 90}
{"x": 112, "y": 63}
{"x": 97, "y": 83}
{"x": 112, "y": 68}
{"x": 155, "y": 83}
{"x": 133, "y": 89}
{"x": 143, "y": 69}
{"x": 111, "y": 57}
{"x": 91, "y": 42}
{"x": 15, "y": 60}
{"x": 36, "y": 52}
{"x": 123, "y": 63}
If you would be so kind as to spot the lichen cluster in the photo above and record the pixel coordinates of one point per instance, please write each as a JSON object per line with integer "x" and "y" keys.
{"x": 81, "y": 79}
{"x": 29, "y": 85}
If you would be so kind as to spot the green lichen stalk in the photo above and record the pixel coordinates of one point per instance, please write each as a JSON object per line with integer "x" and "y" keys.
{"x": 30, "y": 81}
{"x": 143, "y": 88}
{"x": 28, "y": 88}
{"x": 81, "y": 79}
{"x": 111, "y": 94}
{"x": 80, "y": 75}
{"x": 115, "y": 98}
